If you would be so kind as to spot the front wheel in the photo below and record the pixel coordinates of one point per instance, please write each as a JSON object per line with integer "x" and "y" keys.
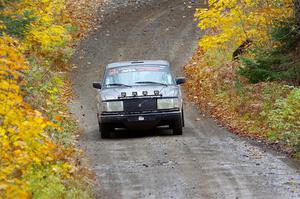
{"x": 105, "y": 130}
{"x": 177, "y": 127}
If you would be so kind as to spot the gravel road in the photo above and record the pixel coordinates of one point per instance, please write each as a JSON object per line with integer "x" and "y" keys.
{"x": 207, "y": 161}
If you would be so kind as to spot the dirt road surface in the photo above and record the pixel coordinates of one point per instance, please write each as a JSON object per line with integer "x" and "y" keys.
{"x": 207, "y": 161}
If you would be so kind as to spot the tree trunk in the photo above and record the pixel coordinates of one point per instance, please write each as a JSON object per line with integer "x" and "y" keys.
{"x": 297, "y": 10}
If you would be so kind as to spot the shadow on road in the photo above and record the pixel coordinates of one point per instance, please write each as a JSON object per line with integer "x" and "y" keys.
{"x": 120, "y": 134}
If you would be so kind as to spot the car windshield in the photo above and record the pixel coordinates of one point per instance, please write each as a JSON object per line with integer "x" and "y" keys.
{"x": 138, "y": 75}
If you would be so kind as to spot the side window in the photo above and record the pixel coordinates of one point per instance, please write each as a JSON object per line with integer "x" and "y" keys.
{"x": 170, "y": 78}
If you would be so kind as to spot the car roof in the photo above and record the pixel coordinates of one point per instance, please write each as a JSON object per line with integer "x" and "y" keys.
{"x": 139, "y": 62}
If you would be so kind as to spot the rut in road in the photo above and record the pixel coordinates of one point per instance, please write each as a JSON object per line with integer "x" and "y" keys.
{"x": 207, "y": 161}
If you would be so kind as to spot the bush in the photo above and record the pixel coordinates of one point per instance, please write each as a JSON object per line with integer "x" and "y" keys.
{"x": 284, "y": 120}
{"x": 286, "y": 34}
{"x": 44, "y": 183}
{"x": 17, "y": 24}
{"x": 273, "y": 67}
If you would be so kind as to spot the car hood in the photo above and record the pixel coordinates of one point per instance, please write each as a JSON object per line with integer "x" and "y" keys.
{"x": 115, "y": 92}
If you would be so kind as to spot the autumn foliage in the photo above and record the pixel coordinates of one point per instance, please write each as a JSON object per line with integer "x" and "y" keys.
{"x": 19, "y": 124}
{"x": 228, "y": 23}
{"x": 37, "y": 154}
{"x": 269, "y": 109}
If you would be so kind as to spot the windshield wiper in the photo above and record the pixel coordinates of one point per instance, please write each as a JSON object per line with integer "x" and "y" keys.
{"x": 116, "y": 84}
{"x": 150, "y": 82}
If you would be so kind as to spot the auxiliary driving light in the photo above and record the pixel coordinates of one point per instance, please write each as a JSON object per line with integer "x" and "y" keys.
{"x": 123, "y": 94}
{"x": 156, "y": 93}
{"x": 134, "y": 94}
{"x": 145, "y": 93}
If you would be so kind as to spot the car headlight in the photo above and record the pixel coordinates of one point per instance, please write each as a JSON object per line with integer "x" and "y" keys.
{"x": 113, "y": 106}
{"x": 168, "y": 103}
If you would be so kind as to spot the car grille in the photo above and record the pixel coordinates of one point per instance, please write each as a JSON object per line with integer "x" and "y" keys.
{"x": 140, "y": 105}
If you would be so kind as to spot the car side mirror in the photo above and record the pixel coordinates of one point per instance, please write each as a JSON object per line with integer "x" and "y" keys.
{"x": 180, "y": 80}
{"x": 97, "y": 85}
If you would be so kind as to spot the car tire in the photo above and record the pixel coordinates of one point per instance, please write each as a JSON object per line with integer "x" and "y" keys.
{"x": 177, "y": 127}
{"x": 105, "y": 130}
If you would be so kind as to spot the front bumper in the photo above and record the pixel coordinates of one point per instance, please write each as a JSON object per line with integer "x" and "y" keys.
{"x": 142, "y": 120}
